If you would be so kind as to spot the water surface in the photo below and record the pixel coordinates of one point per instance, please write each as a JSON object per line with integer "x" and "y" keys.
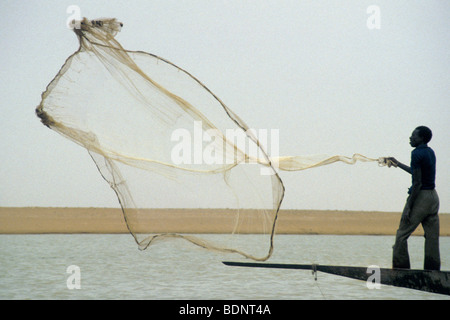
{"x": 112, "y": 267}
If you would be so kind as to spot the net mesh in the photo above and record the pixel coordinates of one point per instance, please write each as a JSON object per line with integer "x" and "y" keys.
{"x": 158, "y": 135}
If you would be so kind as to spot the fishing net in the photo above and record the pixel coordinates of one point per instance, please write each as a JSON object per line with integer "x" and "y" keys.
{"x": 158, "y": 135}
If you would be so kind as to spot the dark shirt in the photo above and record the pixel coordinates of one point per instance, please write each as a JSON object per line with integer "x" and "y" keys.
{"x": 423, "y": 158}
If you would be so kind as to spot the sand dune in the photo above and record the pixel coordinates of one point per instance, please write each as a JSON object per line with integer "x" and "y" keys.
{"x": 108, "y": 220}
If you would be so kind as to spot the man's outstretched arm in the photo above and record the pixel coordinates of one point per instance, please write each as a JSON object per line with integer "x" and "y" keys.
{"x": 403, "y": 166}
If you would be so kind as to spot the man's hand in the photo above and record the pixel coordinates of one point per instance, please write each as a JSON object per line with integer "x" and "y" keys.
{"x": 405, "y": 214}
{"x": 391, "y": 161}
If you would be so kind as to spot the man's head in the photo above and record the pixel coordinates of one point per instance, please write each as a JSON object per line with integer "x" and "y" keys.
{"x": 420, "y": 135}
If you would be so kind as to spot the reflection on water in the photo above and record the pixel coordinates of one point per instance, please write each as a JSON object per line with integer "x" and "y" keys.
{"x": 111, "y": 267}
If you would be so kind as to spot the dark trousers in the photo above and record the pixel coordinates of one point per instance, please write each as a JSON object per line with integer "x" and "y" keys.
{"x": 425, "y": 210}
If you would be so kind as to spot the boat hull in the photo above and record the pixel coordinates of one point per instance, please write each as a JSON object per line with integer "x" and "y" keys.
{"x": 424, "y": 280}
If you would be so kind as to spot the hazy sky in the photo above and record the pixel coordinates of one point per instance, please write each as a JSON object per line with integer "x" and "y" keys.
{"x": 312, "y": 69}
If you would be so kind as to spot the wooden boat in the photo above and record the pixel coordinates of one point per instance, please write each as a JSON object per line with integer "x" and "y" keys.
{"x": 424, "y": 280}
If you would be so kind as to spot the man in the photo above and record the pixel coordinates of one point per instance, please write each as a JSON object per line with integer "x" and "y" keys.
{"x": 422, "y": 204}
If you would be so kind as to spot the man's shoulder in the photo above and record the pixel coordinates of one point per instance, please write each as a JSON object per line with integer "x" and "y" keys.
{"x": 422, "y": 155}
{"x": 422, "y": 150}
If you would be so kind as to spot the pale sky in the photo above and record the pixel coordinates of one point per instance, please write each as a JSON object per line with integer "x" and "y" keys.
{"x": 312, "y": 69}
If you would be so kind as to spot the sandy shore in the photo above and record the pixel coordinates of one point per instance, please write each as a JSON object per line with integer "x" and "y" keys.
{"x": 107, "y": 220}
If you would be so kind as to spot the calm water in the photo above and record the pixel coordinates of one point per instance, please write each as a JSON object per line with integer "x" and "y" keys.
{"x": 111, "y": 267}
